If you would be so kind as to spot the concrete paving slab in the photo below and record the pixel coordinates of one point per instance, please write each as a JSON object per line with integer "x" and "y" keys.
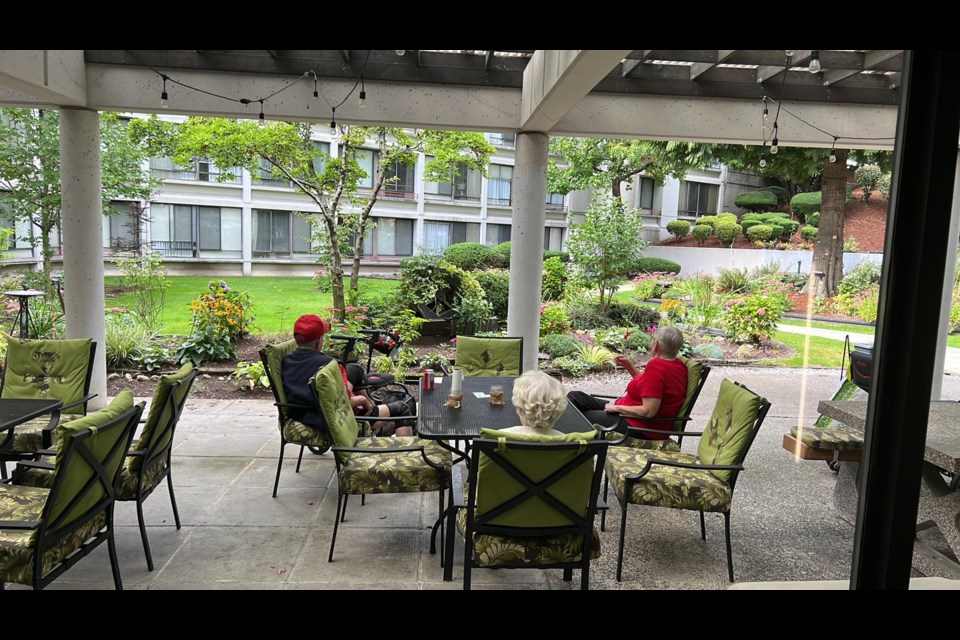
{"x": 389, "y": 554}
{"x": 193, "y": 503}
{"x": 253, "y": 507}
{"x": 316, "y": 471}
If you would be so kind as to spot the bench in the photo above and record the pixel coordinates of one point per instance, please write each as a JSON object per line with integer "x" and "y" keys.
{"x": 828, "y": 439}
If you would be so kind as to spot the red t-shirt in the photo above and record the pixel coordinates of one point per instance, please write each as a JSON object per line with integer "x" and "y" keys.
{"x": 664, "y": 379}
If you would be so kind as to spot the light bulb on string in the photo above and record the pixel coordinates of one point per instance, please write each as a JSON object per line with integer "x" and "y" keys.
{"x": 400, "y": 52}
{"x": 775, "y": 146}
{"x": 163, "y": 94}
{"x": 763, "y": 161}
{"x": 261, "y": 121}
{"x": 814, "y": 62}
{"x": 333, "y": 122}
{"x": 789, "y": 52}
{"x": 362, "y": 99}
{"x": 833, "y": 150}
{"x": 766, "y": 111}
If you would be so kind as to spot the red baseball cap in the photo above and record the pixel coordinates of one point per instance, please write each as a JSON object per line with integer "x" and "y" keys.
{"x": 309, "y": 327}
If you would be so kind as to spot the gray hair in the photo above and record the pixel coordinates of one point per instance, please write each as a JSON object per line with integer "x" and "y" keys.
{"x": 670, "y": 339}
{"x": 538, "y": 399}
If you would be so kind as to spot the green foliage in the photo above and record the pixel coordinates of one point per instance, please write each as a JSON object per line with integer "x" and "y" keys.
{"x": 803, "y": 204}
{"x": 633, "y": 314}
{"x": 250, "y": 375}
{"x": 558, "y": 345}
{"x": 606, "y": 244}
{"x": 701, "y": 233}
{"x": 429, "y": 278}
{"x": 146, "y": 277}
{"x": 471, "y": 256}
{"x": 860, "y": 278}
{"x": 747, "y": 223}
{"x": 752, "y": 318}
{"x": 553, "y": 319}
{"x": 710, "y": 221}
{"x": 703, "y": 305}
{"x": 585, "y": 313}
{"x": 623, "y": 338}
{"x": 883, "y": 186}
{"x": 657, "y": 265}
{"x": 761, "y": 232}
{"x": 762, "y": 200}
{"x": 727, "y": 232}
{"x": 789, "y": 227}
{"x": 868, "y": 175}
{"x": 851, "y": 245}
{"x": 504, "y": 250}
{"x": 650, "y": 285}
{"x": 154, "y": 357}
{"x": 813, "y": 219}
{"x": 436, "y": 361}
{"x": 126, "y": 338}
{"x": 859, "y": 304}
{"x": 554, "y": 279}
{"x": 496, "y": 288}
{"x": 206, "y": 344}
{"x": 679, "y": 228}
{"x": 572, "y": 365}
{"x": 638, "y": 339}
{"x": 222, "y": 309}
{"x": 779, "y": 192}
{"x": 808, "y": 233}
{"x": 475, "y": 314}
{"x": 563, "y": 255}
{"x": 323, "y": 280}
{"x": 731, "y": 280}
{"x": 596, "y": 357}
{"x": 708, "y": 351}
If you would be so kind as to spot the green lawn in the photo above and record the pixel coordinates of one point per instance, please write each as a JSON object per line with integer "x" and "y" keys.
{"x": 823, "y": 351}
{"x": 834, "y": 326}
{"x": 277, "y": 300}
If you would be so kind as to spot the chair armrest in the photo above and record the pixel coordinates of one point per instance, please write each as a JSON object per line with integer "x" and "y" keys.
{"x": 36, "y": 464}
{"x": 46, "y": 452}
{"x": 289, "y": 405}
{"x": 46, "y": 436}
{"x": 137, "y": 454}
{"x": 387, "y": 451}
{"x": 457, "y": 501}
{"x": 85, "y": 399}
{"x": 19, "y": 525}
{"x": 683, "y": 465}
{"x": 378, "y": 418}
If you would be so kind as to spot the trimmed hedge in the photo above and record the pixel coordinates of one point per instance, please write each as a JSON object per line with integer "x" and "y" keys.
{"x": 679, "y": 228}
{"x": 563, "y": 255}
{"x": 710, "y": 221}
{"x": 804, "y": 204}
{"x": 813, "y": 219}
{"x": 727, "y": 232}
{"x": 496, "y": 287}
{"x": 808, "y": 233}
{"x": 760, "y": 232}
{"x": 656, "y": 265}
{"x": 471, "y": 256}
{"x": 747, "y": 223}
{"x": 504, "y": 250}
{"x": 701, "y": 232}
{"x": 789, "y": 227}
{"x": 782, "y": 196}
{"x": 756, "y": 200}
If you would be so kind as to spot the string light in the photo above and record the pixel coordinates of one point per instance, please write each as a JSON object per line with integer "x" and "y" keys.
{"x": 362, "y": 101}
{"x": 333, "y": 122}
{"x": 833, "y": 150}
{"x": 401, "y": 52}
{"x": 262, "y": 122}
{"x": 789, "y": 52}
{"x": 814, "y": 61}
{"x": 775, "y": 143}
{"x": 163, "y": 94}
{"x": 766, "y": 112}
{"x": 763, "y": 160}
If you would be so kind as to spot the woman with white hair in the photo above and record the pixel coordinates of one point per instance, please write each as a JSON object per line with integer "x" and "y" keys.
{"x": 539, "y": 401}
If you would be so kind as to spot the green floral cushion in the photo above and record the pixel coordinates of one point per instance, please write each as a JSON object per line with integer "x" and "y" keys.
{"x": 663, "y": 486}
{"x": 729, "y": 428}
{"x": 839, "y": 437}
{"x": 20, "y": 503}
{"x": 335, "y": 405}
{"x": 47, "y": 369}
{"x": 152, "y": 475}
{"x": 275, "y": 355}
{"x": 694, "y": 369}
{"x": 299, "y": 433}
{"x": 650, "y": 445}
{"x": 405, "y": 472}
{"x": 157, "y": 430}
{"x": 28, "y": 437}
{"x": 489, "y": 356}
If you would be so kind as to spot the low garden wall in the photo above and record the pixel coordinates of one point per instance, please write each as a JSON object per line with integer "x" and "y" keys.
{"x": 709, "y": 260}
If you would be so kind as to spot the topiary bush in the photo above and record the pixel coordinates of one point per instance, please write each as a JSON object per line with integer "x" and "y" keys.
{"x": 504, "y": 250}
{"x": 813, "y": 219}
{"x": 471, "y": 256}
{"x": 554, "y": 279}
{"x": 761, "y": 232}
{"x": 789, "y": 227}
{"x": 563, "y": 255}
{"x": 707, "y": 220}
{"x": 745, "y": 224}
{"x": 804, "y": 204}
{"x": 868, "y": 175}
{"x": 558, "y": 345}
{"x": 808, "y": 233}
{"x": 656, "y": 265}
{"x": 883, "y": 186}
{"x": 727, "y": 232}
{"x": 496, "y": 287}
{"x": 756, "y": 200}
{"x": 701, "y": 233}
{"x": 781, "y": 194}
{"x": 679, "y": 228}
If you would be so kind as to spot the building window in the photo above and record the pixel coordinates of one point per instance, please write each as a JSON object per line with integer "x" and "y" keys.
{"x": 121, "y": 230}
{"x": 365, "y": 158}
{"x": 503, "y": 139}
{"x": 20, "y": 242}
{"x": 186, "y": 231}
{"x": 463, "y": 187}
{"x": 387, "y": 237}
{"x": 496, "y": 234}
{"x": 499, "y": 180}
{"x": 437, "y": 236}
{"x": 645, "y": 197}
{"x": 698, "y": 198}
{"x": 320, "y": 162}
{"x": 279, "y": 234}
{"x": 399, "y": 181}
{"x": 552, "y": 238}
{"x": 199, "y": 170}
{"x": 554, "y": 202}
{"x": 266, "y": 177}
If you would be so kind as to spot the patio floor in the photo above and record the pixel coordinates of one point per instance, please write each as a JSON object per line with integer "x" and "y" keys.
{"x": 235, "y": 536}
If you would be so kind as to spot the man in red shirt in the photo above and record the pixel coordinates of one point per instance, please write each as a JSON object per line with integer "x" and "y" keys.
{"x": 657, "y": 392}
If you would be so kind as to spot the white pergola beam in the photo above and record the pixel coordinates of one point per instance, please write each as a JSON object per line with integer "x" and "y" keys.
{"x": 557, "y": 79}
{"x": 51, "y": 76}
{"x": 699, "y": 68}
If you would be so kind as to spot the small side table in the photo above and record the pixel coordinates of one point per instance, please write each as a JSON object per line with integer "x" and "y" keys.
{"x": 23, "y": 315}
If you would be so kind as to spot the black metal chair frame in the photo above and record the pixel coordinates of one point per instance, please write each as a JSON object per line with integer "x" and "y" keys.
{"x": 514, "y": 338}
{"x": 479, "y": 525}
{"x": 48, "y": 533}
{"x": 54, "y": 418}
{"x": 734, "y": 470}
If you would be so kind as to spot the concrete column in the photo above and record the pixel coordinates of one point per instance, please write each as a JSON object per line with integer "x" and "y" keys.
{"x": 526, "y": 243}
{"x": 420, "y": 188}
{"x": 82, "y": 224}
{"x": 246, "y": 223}
{"x": 947, "y": 297}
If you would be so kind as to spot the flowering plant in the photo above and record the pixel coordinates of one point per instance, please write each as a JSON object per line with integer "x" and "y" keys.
{"x": 225, "y": 311}
{"x": 752, "y": 318}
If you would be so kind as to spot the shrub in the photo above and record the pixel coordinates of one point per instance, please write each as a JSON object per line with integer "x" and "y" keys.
{"x": 731, "y": 280}
{"x": 562, "y": 255}
{"x": 425, "y": 278}
{"x": 584, "y": 313}
{"x": 553, "y": 319}
{"x": 774, "y": 217}
{"x": 596, "y": 357}
{"x": 747, "y": 223}
{"x": 727, "y": 232}
{"x": 789, "y": 227}
{"x": 883, "y": 186}
{"x": 701, "y": 233}
{"x": 471, "y": 256}
{"x": 756, "y": 200}
{"x": 222, "y": 309}
{"x": 650, "y": 285}
{"x": 436, "y": 361}
{"x": 851, "y": 245}
{"x": 572, "y": 365}
{"x": 629, "y": 313}
{"x": 710, "y": 221}
{"x": 504, "y": 250}
{"x": 323, "y": 280}
{"x": 206, "y": 344}
{"x": 146, "y": 277}
{"x": 750, "y": 216}
{"x": 781, "y": 194}
{"x": 868, "y": 175}
{"x": 125, "y": 340}
{"x": 248, "y": 375}
{"x": 554, "y": 279}
{"x": 708, "y": 351}
{"x": 475, "y": 314}
{"x": 752, "y": 318}
{"x": 496, "y": 287}
{"x": 679, "y": 228}
{"x": 859, "y": 304}
{"x": 673, "y": 308}
{"x": 154, "y": 357}
{"x": 638, "y": 339}
{"x": 761, "y": 232}
{"x": 808, "y": 233}
{"x": 656, "y": 265}
{"x": 813, "y": 219}
{"x": 558, "y": 345}
{"x": 775, "y": 231}
{"x": 804, "y": 204}
{"x": 862, "y": 277}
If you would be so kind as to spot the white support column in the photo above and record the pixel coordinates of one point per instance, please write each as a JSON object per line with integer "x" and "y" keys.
{"x": 419, "y": 186}
{"x": 246, "y": 223}
{"x": 82, "y": 225}
{"x": 947, "y": 297}
{"x": 526, "y": 243}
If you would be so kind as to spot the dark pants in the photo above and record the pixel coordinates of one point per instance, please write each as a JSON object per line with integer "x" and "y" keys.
{"x": 592, "y": 410}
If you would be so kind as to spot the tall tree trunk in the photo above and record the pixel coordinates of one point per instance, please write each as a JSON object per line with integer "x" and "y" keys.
{"x": 828, "y": 252}
{"x": 336, "y": 271}
{"x": 615, "y": 187}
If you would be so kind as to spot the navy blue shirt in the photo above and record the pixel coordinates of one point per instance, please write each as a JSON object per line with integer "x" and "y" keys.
{"x": 296, "y": 370}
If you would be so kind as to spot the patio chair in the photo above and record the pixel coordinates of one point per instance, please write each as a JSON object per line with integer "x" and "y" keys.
{"x": 493, "y": 356}
{"x": 291, "y": 431}
{"x": 530, "y": 502}
{"x": 701, "y": 482}
{"x": 42, "y": 369}
{"x": 368, "y": 465}
{"x": 148, "y": 461}
{"x": 828, "y": 440}
{"x": 44, "y": 532}
{"x": 697, "y": 373}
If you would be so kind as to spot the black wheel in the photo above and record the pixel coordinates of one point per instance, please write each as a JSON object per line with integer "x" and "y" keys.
{"x": 319, "y": 451}
{"x": 834, "y": 465}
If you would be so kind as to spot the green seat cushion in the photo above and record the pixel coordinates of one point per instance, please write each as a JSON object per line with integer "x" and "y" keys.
{"x": 22, "y": 503}
{"x": 129, "y": 477}
{"x": 335, "y": 405}
{"x": 662, "y": 486}
{"x": 44, "y": 369}
{"x": 489, "y": 356}
{"x": 495, "y": 486}
{"x": 28, "y": 437}
{"x": 158, "y": 429}
{"x": 296, "y": 432}
{"x": 728, "y": 431}
{"x": 839, "y": 437}
{"x": 652, "y": 445}
{"x": 275, "y": 354}
{"x": 382, "y": 472}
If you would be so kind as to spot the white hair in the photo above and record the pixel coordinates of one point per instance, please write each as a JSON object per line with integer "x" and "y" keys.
{"x": 538, "y": 399}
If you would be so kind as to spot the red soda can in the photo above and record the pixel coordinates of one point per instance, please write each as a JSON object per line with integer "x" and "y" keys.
{"x": 428, "y": 379}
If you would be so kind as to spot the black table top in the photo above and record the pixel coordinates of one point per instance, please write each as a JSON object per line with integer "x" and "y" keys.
{"x": 438, "y": 422}
{"x": 15, "y": 411}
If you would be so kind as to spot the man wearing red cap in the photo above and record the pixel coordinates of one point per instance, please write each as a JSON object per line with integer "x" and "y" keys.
{"x": 301, "y": 365}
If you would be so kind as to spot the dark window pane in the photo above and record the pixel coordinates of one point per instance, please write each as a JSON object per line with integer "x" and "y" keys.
{"x": 209, "y": 228}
